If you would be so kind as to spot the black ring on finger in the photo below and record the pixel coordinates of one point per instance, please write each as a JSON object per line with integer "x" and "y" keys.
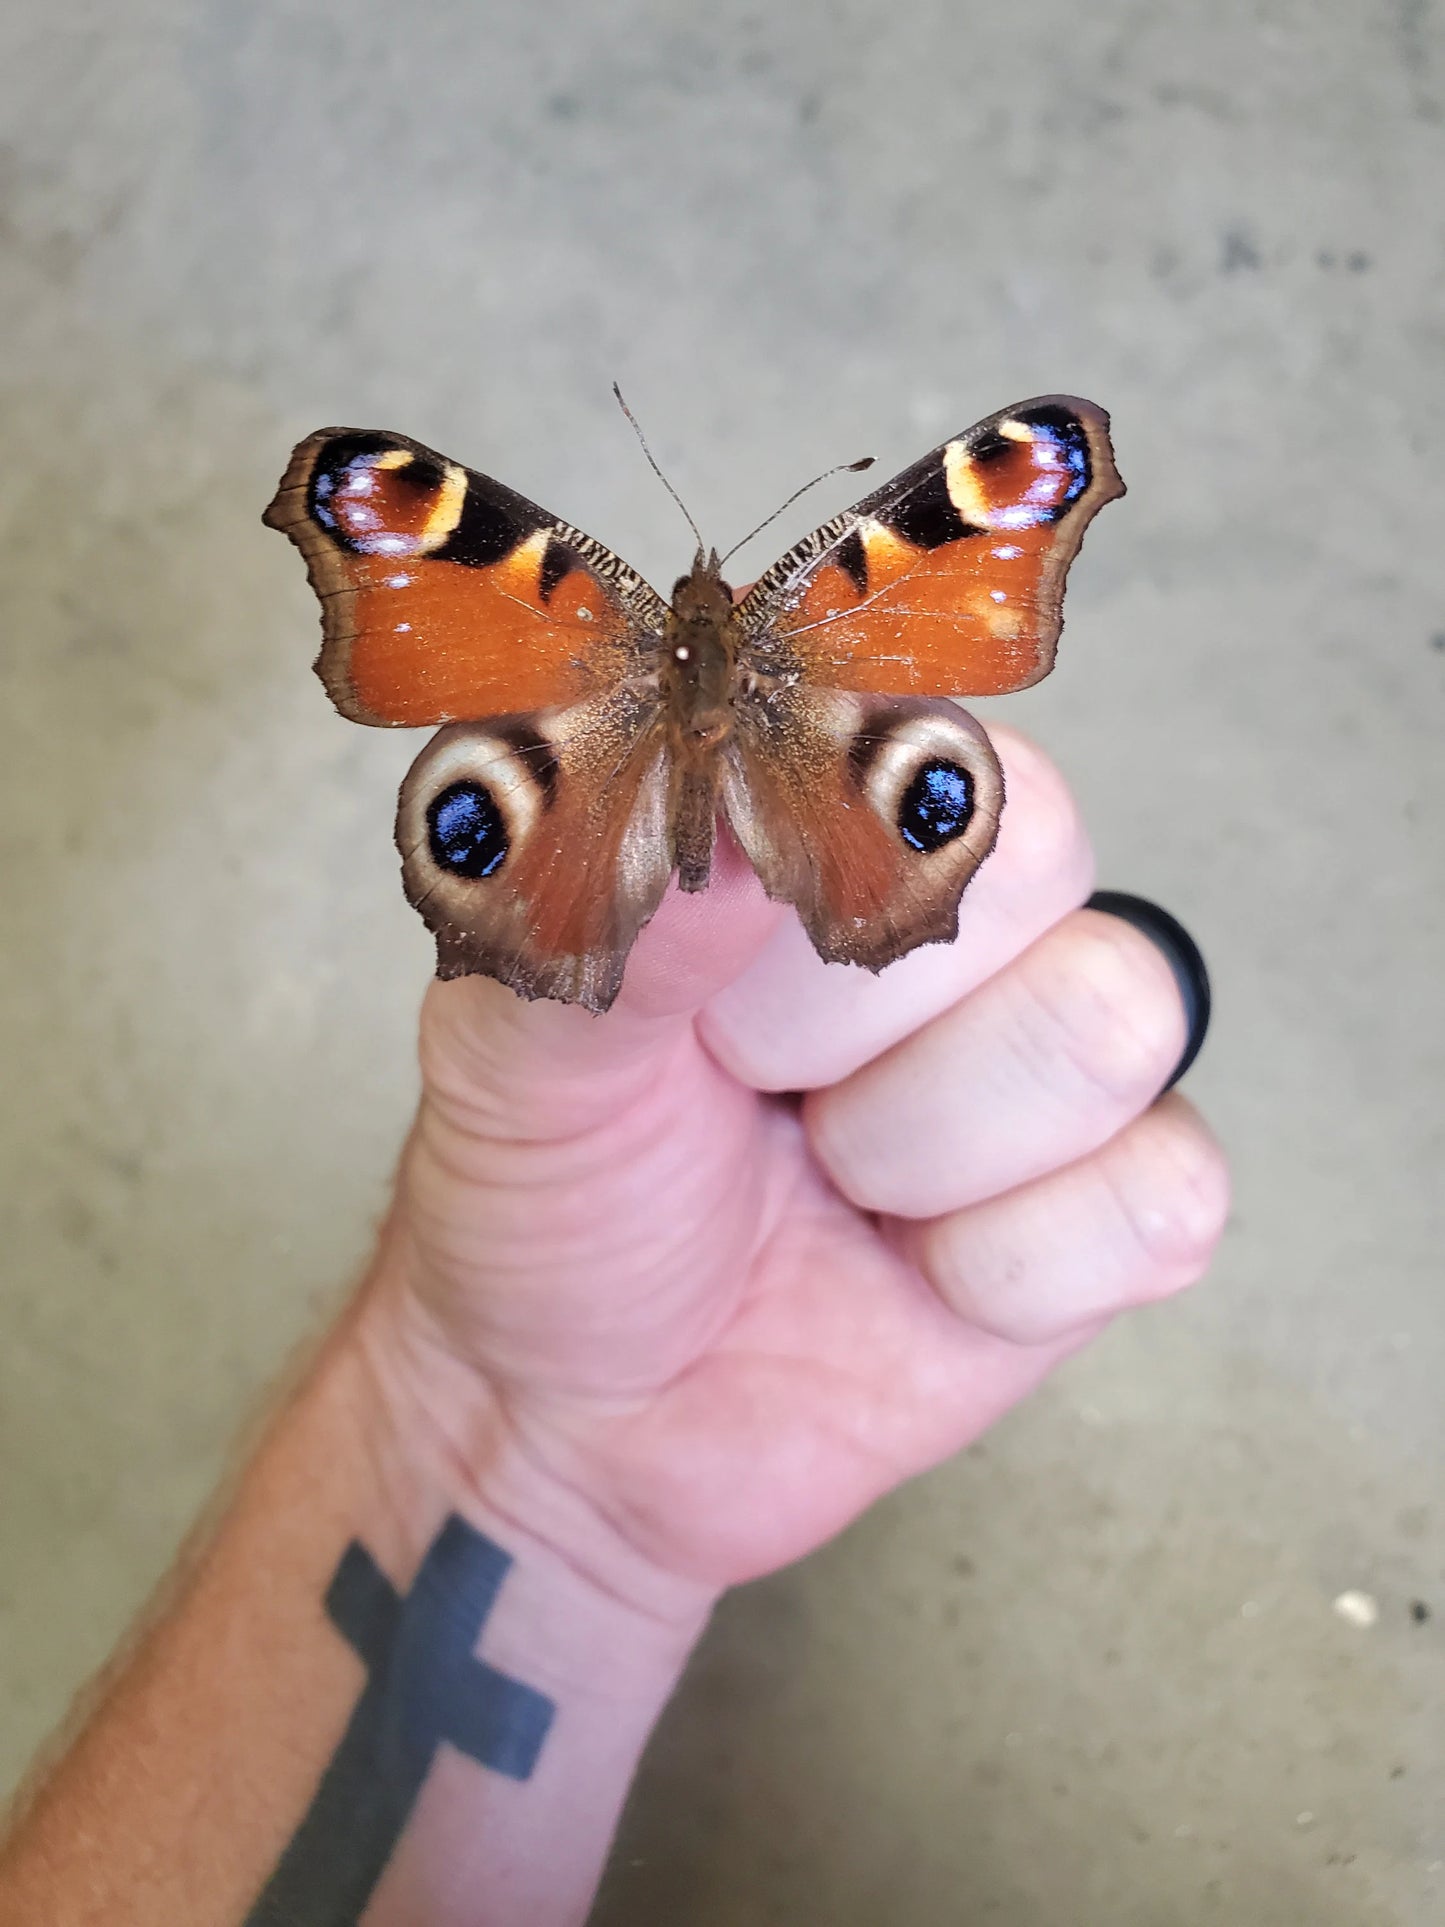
{"x": 1183, "y": 956}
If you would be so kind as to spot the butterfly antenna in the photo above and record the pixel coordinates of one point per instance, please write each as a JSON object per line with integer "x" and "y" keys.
{"x": 652, "y": 459}
{"x": 840, "y": 468}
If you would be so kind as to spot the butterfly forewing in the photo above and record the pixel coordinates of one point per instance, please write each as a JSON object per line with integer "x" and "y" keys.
{"x": 949, "y": 580}
{"x": 446, "y": 596}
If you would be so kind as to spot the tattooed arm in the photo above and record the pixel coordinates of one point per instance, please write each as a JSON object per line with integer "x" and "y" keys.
{"x": 637, "y": 1331}
{"x": 352, "y": 1633}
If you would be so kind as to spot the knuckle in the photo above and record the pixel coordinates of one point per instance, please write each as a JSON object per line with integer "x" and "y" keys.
{"x": 1172, "y": 1184}
{"x": 1105, "y": 1001}
{"x": 837, "y": 1146}
{"x": 741, "y": 1049}
{"x": 1016, "y": 1323}
{"x": 858, "y": 1156}
{"x": 1043, "y": 843}
{"x": 934, "y": 1247}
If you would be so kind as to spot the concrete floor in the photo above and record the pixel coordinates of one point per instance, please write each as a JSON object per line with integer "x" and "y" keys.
{"x": 1090, "y": 1676}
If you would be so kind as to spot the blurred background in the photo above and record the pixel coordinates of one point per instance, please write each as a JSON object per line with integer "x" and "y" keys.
{"x": 1095, "y": 1672}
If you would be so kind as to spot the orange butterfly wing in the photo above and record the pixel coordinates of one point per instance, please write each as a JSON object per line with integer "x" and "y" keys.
{"x": 949, "y": 580}
{"x": 446, "y": 596}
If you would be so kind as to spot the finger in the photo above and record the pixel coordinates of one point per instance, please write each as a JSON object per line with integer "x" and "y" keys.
{"x": 1184, "y": 957}
{"x": 1133, "y": 1222}
{"x": 792, "y": 1022}
{"x": 1040, "y": 1066}
{"x": 536, "y": 1068}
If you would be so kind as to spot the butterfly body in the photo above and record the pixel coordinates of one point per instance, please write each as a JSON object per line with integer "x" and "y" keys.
{"x": 698, "y": 687}
{"x": 593, "y": 733}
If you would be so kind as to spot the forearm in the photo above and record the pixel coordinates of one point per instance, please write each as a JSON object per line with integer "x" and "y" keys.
{"x": 405, "y": 1677}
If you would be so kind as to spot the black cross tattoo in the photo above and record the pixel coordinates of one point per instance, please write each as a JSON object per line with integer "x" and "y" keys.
{"x": 425, "y": 1685}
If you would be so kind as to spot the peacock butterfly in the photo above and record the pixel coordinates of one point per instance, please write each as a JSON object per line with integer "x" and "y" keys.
{"x": 593, "y": 731}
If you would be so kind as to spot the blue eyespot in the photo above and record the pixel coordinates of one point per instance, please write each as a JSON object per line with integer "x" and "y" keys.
{"x": 936, "y": 806}
{"x": 467, "y": 831}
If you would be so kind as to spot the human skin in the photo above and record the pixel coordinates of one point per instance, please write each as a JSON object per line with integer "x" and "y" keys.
{"x": 664, "y": 1300}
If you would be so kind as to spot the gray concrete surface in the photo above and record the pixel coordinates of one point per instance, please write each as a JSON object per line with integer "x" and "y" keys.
{"x": 1090, "y": 1676}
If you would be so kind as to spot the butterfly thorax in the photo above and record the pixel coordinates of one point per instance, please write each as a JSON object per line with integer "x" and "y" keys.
{"x": 699, "y": 657}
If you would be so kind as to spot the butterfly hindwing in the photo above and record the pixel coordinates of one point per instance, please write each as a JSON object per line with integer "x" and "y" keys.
{"x": 446, "y": 596}
{"x": 949, "y": 580}
{"x": 536, "y": 846}
{"x": 869, "y": 815}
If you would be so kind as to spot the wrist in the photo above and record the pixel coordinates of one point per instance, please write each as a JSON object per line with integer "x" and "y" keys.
{"x": 580, "y": 1607}
{"x": 431, "y": 1675}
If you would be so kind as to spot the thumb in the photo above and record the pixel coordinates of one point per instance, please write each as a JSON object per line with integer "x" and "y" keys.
{"x": 511, "y": 1068}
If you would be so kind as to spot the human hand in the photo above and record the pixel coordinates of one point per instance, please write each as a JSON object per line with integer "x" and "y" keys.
{"x": 644, "y": 1322}
{"x": 702, "y": 1322}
